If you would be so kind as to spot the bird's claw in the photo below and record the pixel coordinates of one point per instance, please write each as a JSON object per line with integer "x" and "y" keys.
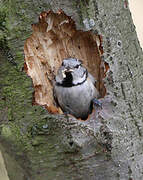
{"x": 97, "y": 103}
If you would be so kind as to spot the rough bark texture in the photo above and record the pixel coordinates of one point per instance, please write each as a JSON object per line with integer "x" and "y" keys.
{"x": 49, "y": 147}
{"x": 124, "y": 84}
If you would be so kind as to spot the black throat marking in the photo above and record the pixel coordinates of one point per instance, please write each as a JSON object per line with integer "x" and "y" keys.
{"x": 68, "y": 81}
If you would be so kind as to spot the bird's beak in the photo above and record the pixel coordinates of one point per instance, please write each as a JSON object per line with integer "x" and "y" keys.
{"x": 66, "y": 71}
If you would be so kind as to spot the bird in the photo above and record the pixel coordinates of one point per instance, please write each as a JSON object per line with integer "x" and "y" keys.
{"x": 75, "y": 89}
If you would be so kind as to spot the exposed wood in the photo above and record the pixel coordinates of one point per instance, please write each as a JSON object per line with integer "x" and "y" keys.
{"x": 54, "y": 38}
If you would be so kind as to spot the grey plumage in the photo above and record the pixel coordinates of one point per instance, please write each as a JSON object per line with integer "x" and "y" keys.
{"x": 74, "y": 88}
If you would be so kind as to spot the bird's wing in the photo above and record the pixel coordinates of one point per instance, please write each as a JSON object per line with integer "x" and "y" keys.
{"x": 92, "y": 79}
{"x": 56, "y": 103}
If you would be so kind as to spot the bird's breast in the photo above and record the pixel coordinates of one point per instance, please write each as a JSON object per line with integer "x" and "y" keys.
{"x": 76, "y": 100}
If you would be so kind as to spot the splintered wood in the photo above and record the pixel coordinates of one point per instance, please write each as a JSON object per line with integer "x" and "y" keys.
{"x": 54, "y": 38}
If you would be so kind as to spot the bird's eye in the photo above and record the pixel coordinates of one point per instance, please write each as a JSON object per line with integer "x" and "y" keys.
{"x": 77, "y": 66}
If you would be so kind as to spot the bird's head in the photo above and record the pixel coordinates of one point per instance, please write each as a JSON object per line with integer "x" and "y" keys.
{"x": 71, "y": 73}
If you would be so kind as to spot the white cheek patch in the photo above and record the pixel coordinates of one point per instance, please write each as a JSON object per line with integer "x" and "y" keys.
{"x": 65, "y": 70}
{"x": 79, "y": 80}
{"x": 63, "y": 74}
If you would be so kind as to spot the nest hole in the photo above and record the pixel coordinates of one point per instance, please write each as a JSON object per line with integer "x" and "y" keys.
{"x": 55, "y": 38}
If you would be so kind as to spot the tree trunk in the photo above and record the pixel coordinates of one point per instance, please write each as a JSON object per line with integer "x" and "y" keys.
{"x": 109, "y": 145}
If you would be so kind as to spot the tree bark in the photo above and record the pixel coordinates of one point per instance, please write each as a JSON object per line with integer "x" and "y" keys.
{"x": 50, "y": 147}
